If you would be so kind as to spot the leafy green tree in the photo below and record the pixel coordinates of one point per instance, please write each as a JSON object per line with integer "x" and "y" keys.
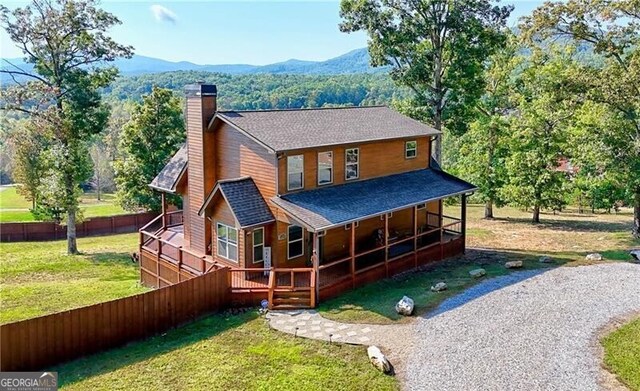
{"x": 485, "y": 146}
{"x": 152, "y": 135}
{"x": 28, "y": 166}
{"x": 545, "y": 105}
{"x": 612, "y": 28}
{"x": 435, "y": 47}
{"x": 65, "y": 41}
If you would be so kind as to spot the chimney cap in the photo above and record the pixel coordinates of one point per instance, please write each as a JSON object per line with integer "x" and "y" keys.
{"x": 200, "y": 89}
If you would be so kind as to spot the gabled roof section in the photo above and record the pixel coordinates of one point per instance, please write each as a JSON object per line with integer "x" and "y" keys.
{"x": 168, "y": 178}
{"x": 327, "y": 207}
{"x": 244, "y": 199}
{"x": 282, "y": 130}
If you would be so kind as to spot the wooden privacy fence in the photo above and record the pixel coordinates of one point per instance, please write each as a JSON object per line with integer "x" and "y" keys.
{"x": 41, "y": 230}
{"x": 42, "y": 342}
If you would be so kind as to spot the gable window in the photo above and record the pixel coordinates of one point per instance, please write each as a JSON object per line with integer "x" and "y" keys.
{"x": 410, "y": 149}
{"x": 325, "y": 168}
{"x": 258, "y": 245}
{"x": 227, "y": 242}
{"x": 352, "y": 163}
{"x": 295, "y": 242}
{"x": 295, "y": 172}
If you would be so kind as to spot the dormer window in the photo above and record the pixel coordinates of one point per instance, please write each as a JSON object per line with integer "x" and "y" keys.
{"x": 410, "y": 149}
{"x": 295, "y": 172}
{"x": 352, "y": 163}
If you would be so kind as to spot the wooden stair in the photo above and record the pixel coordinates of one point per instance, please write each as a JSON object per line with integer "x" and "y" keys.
{"x": 286, "y": 300}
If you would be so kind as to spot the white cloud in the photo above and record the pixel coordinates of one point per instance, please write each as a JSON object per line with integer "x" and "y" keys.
{"x": 163, "y": 14}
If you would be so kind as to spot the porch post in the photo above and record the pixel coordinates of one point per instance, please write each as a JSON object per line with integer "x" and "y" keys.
{"x": 463, "y": 222}
{"x": 316, "y": 264}
{"x": 415, "y": 235}
{"x": 352, "y": 252}
{"x": 164, "y": 209}
{"x": 386, "y": 243}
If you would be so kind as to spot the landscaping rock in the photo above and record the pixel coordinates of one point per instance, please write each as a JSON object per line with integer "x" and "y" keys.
{"x": 405, "y": 306}
{"x": 477, "y": 273}
{"x": 635, "y": 254}
{"x": 594, "y": 257}
{"x": 439, "y": 287}
{"x": 378, "y": 359}
{"x": 545, "y": 259}
{"x": 513, "y": 264}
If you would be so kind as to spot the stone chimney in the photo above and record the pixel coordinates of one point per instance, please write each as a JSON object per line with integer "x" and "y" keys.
{"x": 200, "y": 108}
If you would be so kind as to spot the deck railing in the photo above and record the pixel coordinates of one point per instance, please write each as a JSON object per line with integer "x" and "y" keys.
{"x": 273, "y": 281}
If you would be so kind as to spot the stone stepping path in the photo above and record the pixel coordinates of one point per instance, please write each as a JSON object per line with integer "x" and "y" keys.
{"x": 309, "y": 324}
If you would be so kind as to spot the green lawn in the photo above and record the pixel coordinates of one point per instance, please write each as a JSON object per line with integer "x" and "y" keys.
{"x": 226, "y": 353}
{"x": 14, "y": 208}
{"x": 38, "y": 278}
{"x": 622, "y": 353}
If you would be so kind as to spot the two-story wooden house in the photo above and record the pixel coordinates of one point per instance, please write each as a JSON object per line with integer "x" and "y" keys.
{"x": 300, "y": 204}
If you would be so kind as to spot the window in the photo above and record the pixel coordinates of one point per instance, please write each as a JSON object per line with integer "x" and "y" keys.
{"x": 227, "y": 242}
{"x": 295, "y": 170}
{"x": 258, "y": 245}
{"x": 352, "y": 163}
{"x": 325, "y": 168}
{"x": 410, "y": 149}
{"x": 295, "y": 245}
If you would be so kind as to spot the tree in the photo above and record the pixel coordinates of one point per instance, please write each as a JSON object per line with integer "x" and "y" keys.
{"x": 435, "y": 47}
{"x": 64, "y": 42}
{"x": 102, "y": 170}
{"x": 612, "y": 28}
{"x": 152, "y": 135}
{"x": 485, "y": 146}
{"x": 545, "y": 104}
{"x": 28, "y": 167}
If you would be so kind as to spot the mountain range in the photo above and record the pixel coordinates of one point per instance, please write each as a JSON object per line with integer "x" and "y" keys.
{"x": 355, "y": 61}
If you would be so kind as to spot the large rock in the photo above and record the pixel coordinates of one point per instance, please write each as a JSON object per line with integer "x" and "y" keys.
{"x": 405, "y": 306}
{"x": 513, "y": 264}
{"x": 477, "y": 273}
{"x": 439, "y": 287}
{"x": 594, "y": 257}
{"x": 378, "y": 359}
{"x": 545, "y": 259}
{"x": 635, "y": 254}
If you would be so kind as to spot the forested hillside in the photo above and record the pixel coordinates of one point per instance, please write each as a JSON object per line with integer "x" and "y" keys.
{"x": 267, "y": 91}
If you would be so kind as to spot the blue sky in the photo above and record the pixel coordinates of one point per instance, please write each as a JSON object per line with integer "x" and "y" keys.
{"x": 224, "y": 32}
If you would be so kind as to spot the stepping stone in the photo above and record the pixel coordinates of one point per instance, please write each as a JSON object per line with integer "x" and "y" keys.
{"x": 316, "y": 328}
{"x": 351, "y": 333}
{"x": 366, "y": 330}
{"x": 344, "y": 326}
{"x": 316, "y": 322}
{"x": 363, "y": 339}
{"x": 318, "y": 335}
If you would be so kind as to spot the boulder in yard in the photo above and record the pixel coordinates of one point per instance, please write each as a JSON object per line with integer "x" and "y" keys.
{"x": 405, "y": 306}
{"x": 513, "y": 264}
{"x": 477, "y": 273}
{"x": 594, "y": 257}
{"x": 635, "y": 254}
{"x": 439, "y": 287}
{"x": 545, "y": 259}
{"x": 378, "y": 359}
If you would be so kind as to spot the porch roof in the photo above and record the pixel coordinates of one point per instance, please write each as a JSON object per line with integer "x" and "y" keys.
{"x": 167, "y": 179}
{"x": 327, "y": 207}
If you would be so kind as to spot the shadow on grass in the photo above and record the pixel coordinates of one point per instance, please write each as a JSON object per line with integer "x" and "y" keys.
{"x": 108, "y": 258}
{"x": 375, "y": 303}
{"x": 571, "y": 225}
{"x": 139, "y": 351}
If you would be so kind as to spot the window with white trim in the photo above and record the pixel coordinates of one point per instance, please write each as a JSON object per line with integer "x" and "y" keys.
{"x": 227, "y": 242}
{"x": 295, "y": 241}
{"x": 410, "y": 149}
{"x": 325, "y": 168}
{"x": 295, "y": 172}
{"x": 352, "y": 163}
{"x": 258, "y": 245}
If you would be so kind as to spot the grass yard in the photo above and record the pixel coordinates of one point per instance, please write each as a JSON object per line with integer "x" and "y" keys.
{"x": 622, "y": 353}
{"x": 566, "y": 237}
{"x": 14, "y": 208}
{"x": 226, "y": 353}
{"x": 38, "y": 278}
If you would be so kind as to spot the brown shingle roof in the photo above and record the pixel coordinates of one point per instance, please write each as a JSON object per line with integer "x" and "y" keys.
{"x": 282, "y": 130}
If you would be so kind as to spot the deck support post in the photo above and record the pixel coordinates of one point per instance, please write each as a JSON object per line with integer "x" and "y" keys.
{"x": 352, "y": 253}
{"x": 415, "y": 235}
{"x": 386, "y": 243}
{"x": 463, "y": 222}
{"x": 316, "y": 269}
{"x": 164, "y": 210}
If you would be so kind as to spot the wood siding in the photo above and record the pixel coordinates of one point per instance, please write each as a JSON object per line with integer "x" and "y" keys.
{"x": 377, "y": 159}
{"x": 222, "y": 214}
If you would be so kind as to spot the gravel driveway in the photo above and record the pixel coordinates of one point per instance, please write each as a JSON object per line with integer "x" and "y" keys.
{"x": 525, "y": 331}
